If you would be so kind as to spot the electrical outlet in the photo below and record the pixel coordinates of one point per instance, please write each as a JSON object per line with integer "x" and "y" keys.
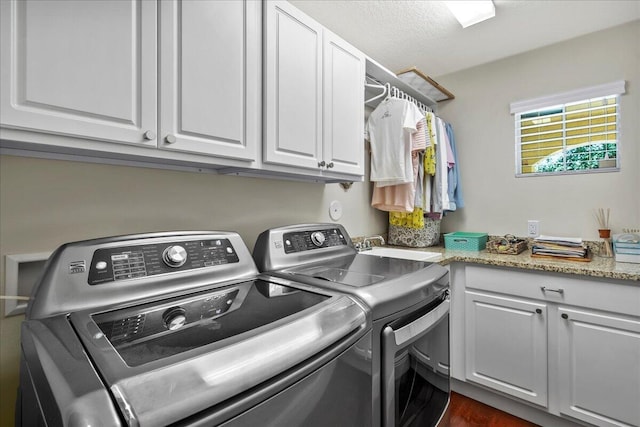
{"x": 533, "y": 228}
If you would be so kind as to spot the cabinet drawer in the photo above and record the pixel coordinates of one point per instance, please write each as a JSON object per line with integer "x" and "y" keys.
{"x": 603, "y": 294}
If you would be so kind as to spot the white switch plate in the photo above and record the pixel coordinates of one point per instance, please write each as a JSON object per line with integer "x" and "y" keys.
{"x": 335, "y": 210}
{"x": 533, "y": 228}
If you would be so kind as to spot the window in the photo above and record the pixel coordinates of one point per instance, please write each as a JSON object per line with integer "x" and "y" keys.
{"x": 572, "y": 132}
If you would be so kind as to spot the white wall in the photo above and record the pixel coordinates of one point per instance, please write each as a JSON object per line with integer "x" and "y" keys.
{"x": 496, "y": 201}
{"x": 44, "y": 203}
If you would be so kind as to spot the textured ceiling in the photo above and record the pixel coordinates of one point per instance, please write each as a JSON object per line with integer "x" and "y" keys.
{"x": 402, "y": 34}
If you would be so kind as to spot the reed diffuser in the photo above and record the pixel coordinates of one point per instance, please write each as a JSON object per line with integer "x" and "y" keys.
{"x": 604, "y": 231}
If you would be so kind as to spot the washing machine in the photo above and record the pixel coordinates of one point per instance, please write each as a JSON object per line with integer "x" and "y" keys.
{"x": 180, "y": 328}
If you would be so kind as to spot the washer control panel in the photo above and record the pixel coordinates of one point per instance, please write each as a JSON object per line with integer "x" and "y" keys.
{"x": 312, "y": 239}
{"x": 131, "y": 262}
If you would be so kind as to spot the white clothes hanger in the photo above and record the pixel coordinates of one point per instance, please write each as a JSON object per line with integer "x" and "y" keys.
{"x": 390, "y": 91}
{"x": 375, "y": 86}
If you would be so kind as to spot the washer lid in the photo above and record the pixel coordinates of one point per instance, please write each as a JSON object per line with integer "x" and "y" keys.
{"x": 359, "y": 270}
{"x": 340, "y": 275}
{"x": 154, "y": 331}
{"x": 167, "y": 375}
{"x": 386, "y": 285}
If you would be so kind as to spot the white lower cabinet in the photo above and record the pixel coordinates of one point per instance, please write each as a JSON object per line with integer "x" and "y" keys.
{"x": 517, "y": 365}
{"x": 567, "y": 345}
{"x": 599, "y": 367}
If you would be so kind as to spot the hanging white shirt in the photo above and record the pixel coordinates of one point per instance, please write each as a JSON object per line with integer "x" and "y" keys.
{"x": 442, "y": 163}
{"x": 388, "y": 129}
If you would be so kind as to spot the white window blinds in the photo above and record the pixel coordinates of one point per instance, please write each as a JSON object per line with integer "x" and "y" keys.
{"x": 569, "y": 132}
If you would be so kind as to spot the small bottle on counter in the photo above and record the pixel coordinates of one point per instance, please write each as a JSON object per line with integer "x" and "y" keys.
{"x": 606, "y": 251}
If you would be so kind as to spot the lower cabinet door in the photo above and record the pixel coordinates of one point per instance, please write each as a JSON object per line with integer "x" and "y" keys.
{"x": 506, "y": 345}
{"x": 599, "y": 367}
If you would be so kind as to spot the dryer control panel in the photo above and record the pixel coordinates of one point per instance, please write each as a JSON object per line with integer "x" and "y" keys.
{"x": 131, "y": 262}
{"x": 299, "y": 241}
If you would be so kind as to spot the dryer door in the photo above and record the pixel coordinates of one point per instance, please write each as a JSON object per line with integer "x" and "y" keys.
{"x": 415, "y": 366}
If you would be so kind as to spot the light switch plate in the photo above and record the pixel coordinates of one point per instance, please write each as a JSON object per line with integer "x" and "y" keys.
{"x": 335, "y": 210}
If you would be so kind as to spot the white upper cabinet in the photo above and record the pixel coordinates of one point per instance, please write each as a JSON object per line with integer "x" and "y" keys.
{"x": 210, "y": 77}
{"x": 80, "y": 68}
{"x": 293, "y": 87}
{"x": 314, "y": 94}
{"x": 180, "y": 83}
{"x": 89, "y": 70}
{"x": 343, "y": 114}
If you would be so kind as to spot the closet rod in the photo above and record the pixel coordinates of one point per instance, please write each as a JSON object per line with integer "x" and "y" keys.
{"x": 382, "y": 75}
{"x": 390, "y": 90}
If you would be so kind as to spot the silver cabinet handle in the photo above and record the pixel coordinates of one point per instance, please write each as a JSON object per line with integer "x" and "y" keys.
{"x": 418, "y": 327}
{"x": 149, "y": 135}
{"x": 545, "y": 289}
{"x": 170, "y": 139}
{"x": 321, "y": 164}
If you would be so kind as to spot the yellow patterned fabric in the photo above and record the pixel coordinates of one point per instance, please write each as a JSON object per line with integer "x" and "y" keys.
{"x": 413, "y": 219}
{"x": 430, "y": 161}
{"x": 430, "y": 152}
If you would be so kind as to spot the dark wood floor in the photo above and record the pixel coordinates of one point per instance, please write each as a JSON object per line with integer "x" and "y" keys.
{"x": 465, "y": 412}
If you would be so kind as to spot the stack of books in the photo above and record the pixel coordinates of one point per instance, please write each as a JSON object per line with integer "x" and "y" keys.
{"x": 627, "y": 247}
{"x": 560, "y": 247}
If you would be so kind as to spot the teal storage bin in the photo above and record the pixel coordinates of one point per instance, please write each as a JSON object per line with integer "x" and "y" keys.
{"x": 463, "y": 241}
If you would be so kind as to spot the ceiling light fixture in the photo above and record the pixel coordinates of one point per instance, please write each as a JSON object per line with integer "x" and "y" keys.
{"x": 471, "y": 12}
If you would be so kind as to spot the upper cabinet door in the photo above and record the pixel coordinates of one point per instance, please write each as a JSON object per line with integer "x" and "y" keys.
{"x": 80, "y": 68}
{"x": 210, "y": 77}
{"x": 293, "y": 87}
{"x": 343, "y": 118}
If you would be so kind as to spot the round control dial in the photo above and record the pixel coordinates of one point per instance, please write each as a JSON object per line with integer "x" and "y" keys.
{"x": 317, "y": 238}
{"x": 174, "y": 318}
{"x": 174, "y": 256}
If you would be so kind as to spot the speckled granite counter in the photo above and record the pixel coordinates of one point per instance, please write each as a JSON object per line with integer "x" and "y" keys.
{"x": 598, "y": 267}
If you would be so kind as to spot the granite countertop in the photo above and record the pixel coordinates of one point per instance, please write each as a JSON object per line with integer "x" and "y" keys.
{"x": 597, "y": 267}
